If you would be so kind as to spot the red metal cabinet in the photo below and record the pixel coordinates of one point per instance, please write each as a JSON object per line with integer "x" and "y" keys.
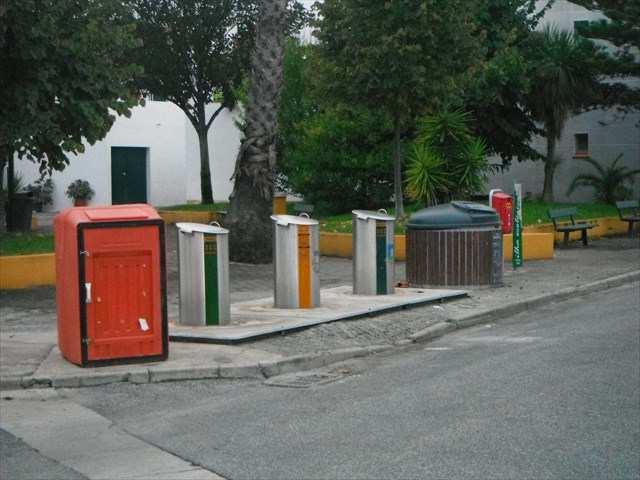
{"x": 503, "y": 204}
{"x": 111, "y": 285}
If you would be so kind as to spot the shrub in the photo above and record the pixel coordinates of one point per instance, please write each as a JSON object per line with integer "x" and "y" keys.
{"x": 447, "y": 161}
{"x": 609, "y": 182}
{"x": 342, "y": 159}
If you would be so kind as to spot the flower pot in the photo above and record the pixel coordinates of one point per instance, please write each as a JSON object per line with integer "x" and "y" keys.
{"x": 80, "y": 202}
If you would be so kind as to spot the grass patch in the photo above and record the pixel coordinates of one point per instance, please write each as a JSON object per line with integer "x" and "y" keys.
{"x": 534, "y": 213}
{"x": 197, "y": 207}
{"x": 25, "y": 243}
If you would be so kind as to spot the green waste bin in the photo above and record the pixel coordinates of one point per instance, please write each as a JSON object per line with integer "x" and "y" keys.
{"x": 203, "y": 259}
{"x": 373, "y": 252}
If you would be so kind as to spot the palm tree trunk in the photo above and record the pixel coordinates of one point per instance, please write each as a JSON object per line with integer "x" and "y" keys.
{"x": 397, "y": 169}
{"x": 549, "y": 168}
{"x": 250, "y": 229}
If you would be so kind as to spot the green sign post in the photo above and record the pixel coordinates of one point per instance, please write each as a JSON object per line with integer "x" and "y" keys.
{"x": 517, "y": 226}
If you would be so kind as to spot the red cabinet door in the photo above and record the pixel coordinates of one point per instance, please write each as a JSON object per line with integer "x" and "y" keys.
{"x": 123, "y": 297}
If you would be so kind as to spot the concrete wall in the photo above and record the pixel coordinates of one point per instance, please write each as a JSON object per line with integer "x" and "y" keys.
{"x": 173, "y": 159}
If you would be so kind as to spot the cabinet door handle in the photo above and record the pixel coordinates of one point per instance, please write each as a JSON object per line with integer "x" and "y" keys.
{"x": 87, "y": 288}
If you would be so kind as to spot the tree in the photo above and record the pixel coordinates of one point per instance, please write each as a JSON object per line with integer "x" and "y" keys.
{"x": 250, "y": 203}
{"x": 193, "y": 50}
{"x": 341, "y": 159}
{"x": 399, "y": 56}
{"x": 622, "y": 31}
{"x": 565, "y": 70}
{"x": 66, "y": 70}
{"x": 622, "y": 27}
{"x": 495, "y": 92}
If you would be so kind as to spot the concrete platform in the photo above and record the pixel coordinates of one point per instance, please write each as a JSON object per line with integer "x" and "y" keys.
{"x": 256, "y": 319}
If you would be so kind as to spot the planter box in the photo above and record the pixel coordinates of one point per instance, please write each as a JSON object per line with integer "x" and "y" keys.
{"x": 25, "y": 271}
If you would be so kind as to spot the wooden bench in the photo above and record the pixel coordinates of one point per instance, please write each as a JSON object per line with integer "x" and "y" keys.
{"x": 556, "y": 217}
{"x": 629, "y": 211}
{"x": 299, "y": 208}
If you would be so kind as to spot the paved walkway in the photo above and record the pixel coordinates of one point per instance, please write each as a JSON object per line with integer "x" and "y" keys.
{"x": 28, "y": 334}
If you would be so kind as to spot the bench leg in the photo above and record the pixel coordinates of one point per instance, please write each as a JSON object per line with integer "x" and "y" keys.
{"x": 631, "y": 229}
{"x": 566, "y": 239}
{"x": 585, "y": 242}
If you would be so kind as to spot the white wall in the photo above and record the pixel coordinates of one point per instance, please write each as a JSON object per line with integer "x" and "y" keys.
{"x": 173, "y": 168}
{"x": 224, "y": 143}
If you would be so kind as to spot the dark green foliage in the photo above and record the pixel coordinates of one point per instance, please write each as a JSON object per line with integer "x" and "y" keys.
{"x": 447, "y": 161}
{"x": 65, "y": 70}
{"x": 342, "y": 160}
{"x": 610, "y": 182}
{"x": 622, "y": 27}
{"x": 495, "y": 92}
{"x": 401, "y": 57}
{"x": 427, "y": 176}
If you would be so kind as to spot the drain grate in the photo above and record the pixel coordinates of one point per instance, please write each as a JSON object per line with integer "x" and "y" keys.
{"x": 304, "y": 379}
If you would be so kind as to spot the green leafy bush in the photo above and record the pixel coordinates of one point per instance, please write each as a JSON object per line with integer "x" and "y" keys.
{"x": 447, "y": 160}
{"x": 342, "y": 159}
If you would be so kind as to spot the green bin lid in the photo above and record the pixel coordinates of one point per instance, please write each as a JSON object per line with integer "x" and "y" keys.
{"x": 454, "y": 215}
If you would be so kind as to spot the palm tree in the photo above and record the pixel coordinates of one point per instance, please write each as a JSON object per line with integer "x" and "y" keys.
{"x": 609, "y": 182}
{"x": 250, "y": 202}
{"x": 565, "y": 75}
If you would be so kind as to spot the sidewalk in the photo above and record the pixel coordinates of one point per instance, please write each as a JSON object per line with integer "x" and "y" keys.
{"x": 29, "y": 356}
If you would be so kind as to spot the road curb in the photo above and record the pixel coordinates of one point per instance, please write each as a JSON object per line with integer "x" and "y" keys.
{"x": 534, "y": 302}
{"x": 303, "y": 362}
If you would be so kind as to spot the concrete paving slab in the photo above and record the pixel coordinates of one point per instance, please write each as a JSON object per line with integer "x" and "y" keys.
{"x": 90, "y": 444}
{"x": 256, "y": 319}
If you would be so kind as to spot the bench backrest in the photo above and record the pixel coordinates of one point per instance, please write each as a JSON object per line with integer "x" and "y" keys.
{"x": 632, "y": 205}
{"x": 303, "y": 208}
{"x": 560, "y": 213}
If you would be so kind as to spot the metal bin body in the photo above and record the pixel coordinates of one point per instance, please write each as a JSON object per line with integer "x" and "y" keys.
{"x": 373, "y": 253}
{"x": 296, "y": 261}
{"x": 203, "y": 255}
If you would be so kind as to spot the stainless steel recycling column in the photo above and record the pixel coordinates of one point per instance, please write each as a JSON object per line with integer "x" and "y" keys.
{"x": 373, "y": 252}
{"x": 203, "y": 263}
{"x": 296, "y": 258}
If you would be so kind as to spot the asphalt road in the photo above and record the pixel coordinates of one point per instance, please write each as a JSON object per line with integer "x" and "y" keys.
{"x": 552, "y": 393}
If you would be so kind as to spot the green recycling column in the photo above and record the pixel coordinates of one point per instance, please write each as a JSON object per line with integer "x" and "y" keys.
{"x": 203, "y": 262}
{"x": 373, "y": 253}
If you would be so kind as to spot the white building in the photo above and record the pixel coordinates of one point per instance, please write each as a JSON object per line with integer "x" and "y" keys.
{"x": 152, "y": 156}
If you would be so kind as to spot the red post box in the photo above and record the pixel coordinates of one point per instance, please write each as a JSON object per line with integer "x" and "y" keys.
{"x": 503, "y": 204}
{"x": 111, "y": 285}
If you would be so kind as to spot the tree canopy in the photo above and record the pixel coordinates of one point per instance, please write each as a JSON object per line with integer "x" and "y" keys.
{"x": 65, "y": 71}
{"x": 401, "y": 57}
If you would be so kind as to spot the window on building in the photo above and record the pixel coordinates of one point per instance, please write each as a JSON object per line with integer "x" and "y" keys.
{"x": 582, "y": 144}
